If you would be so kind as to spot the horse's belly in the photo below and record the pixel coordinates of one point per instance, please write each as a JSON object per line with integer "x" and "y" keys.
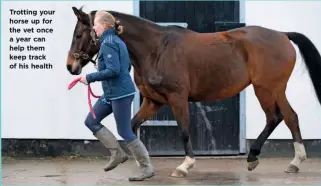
{"x": 218, "y": 93}
{"x": 219, "y": 81}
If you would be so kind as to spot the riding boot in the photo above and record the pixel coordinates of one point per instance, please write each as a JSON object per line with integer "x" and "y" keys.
{"x": 141, "y": 155}
{"x": 108, "y": 139}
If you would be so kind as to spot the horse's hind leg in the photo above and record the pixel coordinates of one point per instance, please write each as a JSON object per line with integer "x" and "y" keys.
{"x": 179, "y": 106}
{"x": 273, "y": 118}
{"x": 291, "y": 120}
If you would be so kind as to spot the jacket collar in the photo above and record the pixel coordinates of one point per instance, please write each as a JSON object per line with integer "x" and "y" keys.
{"x": 107, "y": 32}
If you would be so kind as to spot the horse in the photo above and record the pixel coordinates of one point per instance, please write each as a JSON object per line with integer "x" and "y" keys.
{"x": 175, "y": 65}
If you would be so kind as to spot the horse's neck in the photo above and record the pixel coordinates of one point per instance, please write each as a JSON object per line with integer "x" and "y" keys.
{"x": 141, "y": 40}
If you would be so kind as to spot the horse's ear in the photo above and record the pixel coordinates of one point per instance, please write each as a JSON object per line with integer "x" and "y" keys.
{"x": 80, "y": 9}
{"x": 79, "y": 14}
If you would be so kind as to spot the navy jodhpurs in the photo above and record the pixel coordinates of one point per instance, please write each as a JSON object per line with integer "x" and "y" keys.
{"x": 121, "y": 108}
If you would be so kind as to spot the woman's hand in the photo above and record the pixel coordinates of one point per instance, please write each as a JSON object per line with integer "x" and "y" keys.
{"x": 84, "y": 80}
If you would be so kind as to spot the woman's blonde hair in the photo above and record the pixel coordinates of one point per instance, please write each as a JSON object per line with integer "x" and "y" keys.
{"x": 108, "y": 19}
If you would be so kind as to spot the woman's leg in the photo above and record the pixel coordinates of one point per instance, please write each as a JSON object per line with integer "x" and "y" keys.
{"x": 122, "y": 113}
{"x": 101, "y": 110}
{"x": 106, "y": 137}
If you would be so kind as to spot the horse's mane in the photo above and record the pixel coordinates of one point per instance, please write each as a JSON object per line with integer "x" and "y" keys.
{"x": 131, "y": 17}
{"x": 145, "y": 21}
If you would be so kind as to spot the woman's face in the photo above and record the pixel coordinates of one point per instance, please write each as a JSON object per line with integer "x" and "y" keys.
{"x": 98, "y": 27}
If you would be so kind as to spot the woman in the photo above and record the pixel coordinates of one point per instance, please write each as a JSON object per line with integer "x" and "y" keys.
{"x": 119, "y": 90}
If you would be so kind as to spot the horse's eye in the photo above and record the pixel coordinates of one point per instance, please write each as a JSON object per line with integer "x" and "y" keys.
{"x": 78, "y": 35}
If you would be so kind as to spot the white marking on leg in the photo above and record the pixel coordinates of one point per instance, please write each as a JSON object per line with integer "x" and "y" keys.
{"x": 300, "y": 154}
{"x": 137, "y": 163}
{"x": 182, "y": 169}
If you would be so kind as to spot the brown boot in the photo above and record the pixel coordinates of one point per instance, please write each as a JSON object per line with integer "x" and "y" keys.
{"x": 108, "y": 139}
{"x": 141, "y": 155}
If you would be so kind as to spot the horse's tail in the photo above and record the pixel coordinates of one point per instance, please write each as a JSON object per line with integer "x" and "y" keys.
{"x": 311, "y": 57}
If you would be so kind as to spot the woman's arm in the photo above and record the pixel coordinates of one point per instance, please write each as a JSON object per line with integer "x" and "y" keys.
{"x": 111, "y": 59}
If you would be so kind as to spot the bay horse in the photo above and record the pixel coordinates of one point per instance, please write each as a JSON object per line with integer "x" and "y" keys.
{"x": 175, "y": 65}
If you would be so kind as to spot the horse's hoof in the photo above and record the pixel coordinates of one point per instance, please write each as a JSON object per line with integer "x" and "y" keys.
{"x": 179, "y": 173}
{"x": 292, "y": 169}
{"x": 252, "y": 165}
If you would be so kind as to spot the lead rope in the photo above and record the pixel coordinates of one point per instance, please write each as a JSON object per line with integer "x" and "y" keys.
{"x": 90, "y": 92}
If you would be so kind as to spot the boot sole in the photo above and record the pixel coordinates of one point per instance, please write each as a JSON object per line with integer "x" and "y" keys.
{"x": 110, "y": 168}
{"x": 141, "y": 178}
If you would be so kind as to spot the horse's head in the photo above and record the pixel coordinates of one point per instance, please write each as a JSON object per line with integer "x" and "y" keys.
{"x": 84, "y": 44}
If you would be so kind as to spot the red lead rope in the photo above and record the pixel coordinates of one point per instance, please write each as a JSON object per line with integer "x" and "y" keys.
{"x": 73, "y": 83}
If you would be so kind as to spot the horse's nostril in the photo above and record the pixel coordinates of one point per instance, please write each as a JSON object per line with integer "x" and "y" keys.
{"x": 69, "y": 67}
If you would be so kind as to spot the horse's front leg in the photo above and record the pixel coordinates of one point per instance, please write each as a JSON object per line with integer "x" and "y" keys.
{"x": 147, "y": 110}
{"x": 180, "y": 109}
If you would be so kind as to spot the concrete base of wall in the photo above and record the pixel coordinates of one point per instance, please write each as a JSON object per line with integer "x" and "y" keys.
{"x": 54, "y": 148}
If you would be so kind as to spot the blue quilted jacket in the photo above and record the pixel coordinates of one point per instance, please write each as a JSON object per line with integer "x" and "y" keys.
{"x": 113, "y": 67}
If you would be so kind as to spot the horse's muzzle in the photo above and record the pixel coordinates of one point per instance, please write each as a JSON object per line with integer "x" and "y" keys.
{"x": 72, "y": 71}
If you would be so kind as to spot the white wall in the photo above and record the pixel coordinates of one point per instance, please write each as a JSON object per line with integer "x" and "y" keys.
{"x": 298, "y": 16}
{"x": 36, "y": 103}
